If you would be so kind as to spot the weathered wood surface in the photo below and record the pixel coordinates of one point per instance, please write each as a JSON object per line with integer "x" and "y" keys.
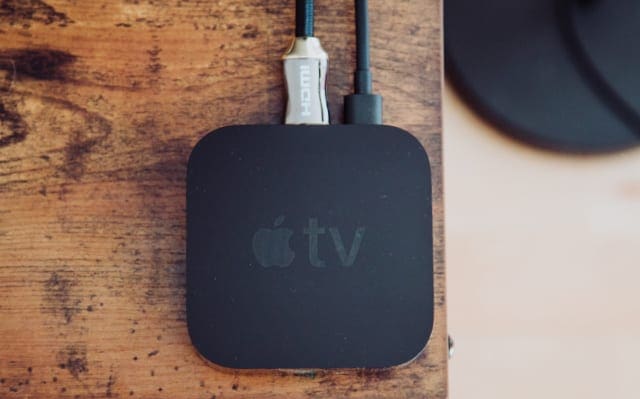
{"x": 100, "y": 104}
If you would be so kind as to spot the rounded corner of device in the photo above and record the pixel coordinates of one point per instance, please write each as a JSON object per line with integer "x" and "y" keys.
{"x": 213, "y": 363}
{"x": 207, "y": 357}
{"x": 206, "y": 140}
{"x": 413, "y": 141}
{"x": 412, "y": 355}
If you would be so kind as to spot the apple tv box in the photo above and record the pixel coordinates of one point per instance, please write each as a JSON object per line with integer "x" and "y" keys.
{"x": 309, "y": 247}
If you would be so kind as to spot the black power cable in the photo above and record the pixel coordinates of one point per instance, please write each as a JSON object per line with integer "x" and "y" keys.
{"x": 304, "y": 18}
{"x": 362, "y": 81}
{"x": 362, "y": 107}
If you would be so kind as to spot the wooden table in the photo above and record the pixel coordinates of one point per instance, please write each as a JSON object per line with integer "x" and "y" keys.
{"x": 100, "y": 104}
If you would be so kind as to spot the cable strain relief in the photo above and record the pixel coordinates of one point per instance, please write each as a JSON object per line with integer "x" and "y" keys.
{"x": 363, "y": 109}
{"x": 362, "y": 81}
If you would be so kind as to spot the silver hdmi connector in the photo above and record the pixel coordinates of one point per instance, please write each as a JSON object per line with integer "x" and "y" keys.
{"x": 305, "y": 73}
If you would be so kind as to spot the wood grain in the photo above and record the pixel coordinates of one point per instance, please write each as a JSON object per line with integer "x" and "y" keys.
{"x": 100, "y": 104}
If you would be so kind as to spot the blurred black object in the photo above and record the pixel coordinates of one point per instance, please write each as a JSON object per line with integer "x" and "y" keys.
{"x": 559, "y": 74}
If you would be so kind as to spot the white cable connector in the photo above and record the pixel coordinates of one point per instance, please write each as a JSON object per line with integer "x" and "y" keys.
{"x": 305, "y": 73}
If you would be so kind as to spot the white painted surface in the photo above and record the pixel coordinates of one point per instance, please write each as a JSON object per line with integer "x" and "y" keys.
{"x": 543, "y": 267}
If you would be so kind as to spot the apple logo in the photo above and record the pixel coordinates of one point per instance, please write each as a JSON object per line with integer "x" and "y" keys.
{"x": 271, "y": 246}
